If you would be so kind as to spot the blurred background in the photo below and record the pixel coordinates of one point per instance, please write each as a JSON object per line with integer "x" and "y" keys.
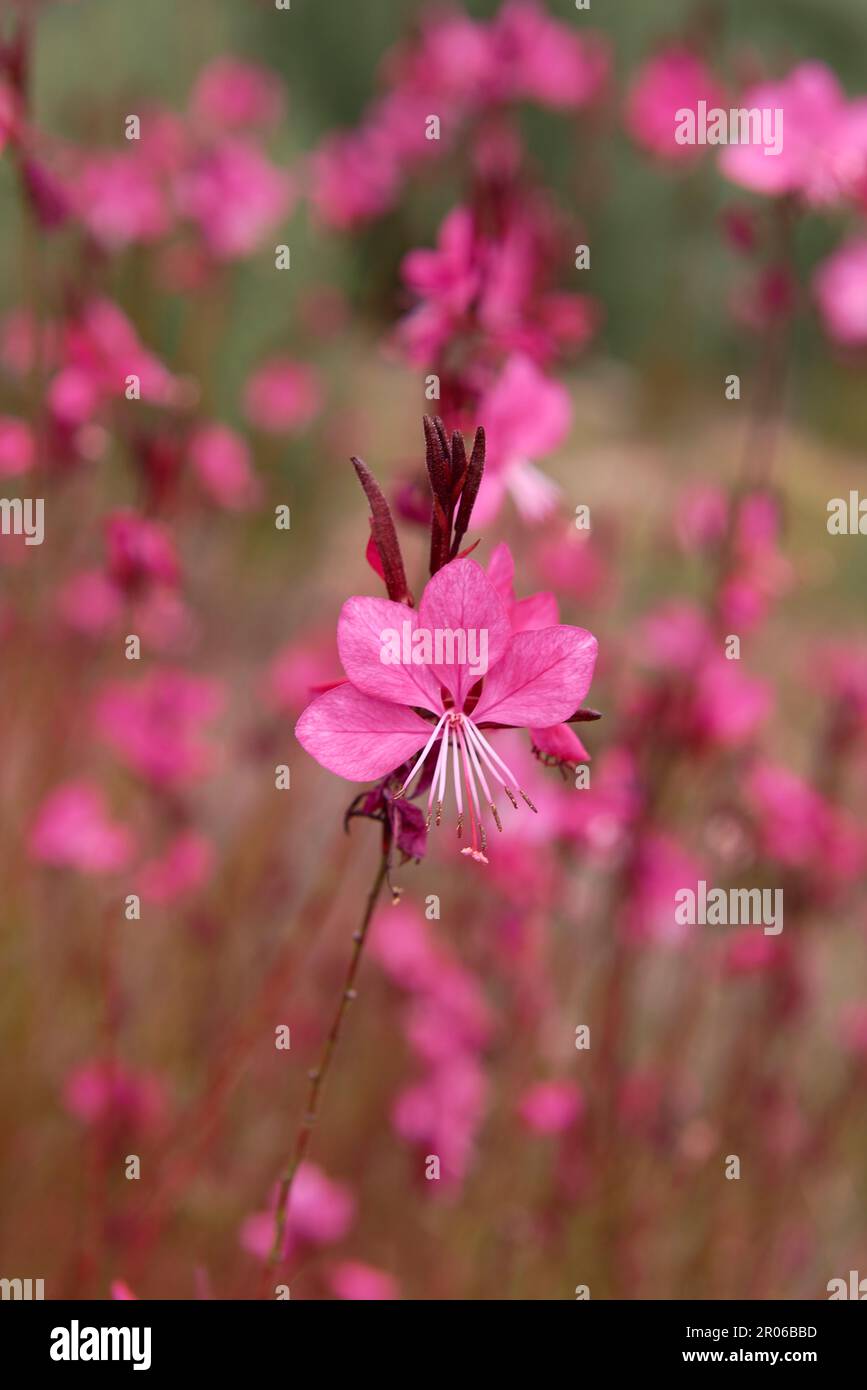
{"x": 149, "y": 1030}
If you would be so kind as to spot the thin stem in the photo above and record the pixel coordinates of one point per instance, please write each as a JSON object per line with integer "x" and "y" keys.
{"x": 319, "y": 1073}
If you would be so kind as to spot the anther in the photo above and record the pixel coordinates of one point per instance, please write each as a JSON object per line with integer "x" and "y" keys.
{"x": 528, "y": 801}
{"x": 495, "y": 813}
{"x": 511, "y": 797}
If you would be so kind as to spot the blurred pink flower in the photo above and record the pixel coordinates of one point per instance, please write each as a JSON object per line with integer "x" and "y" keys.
{"x": 231, "y": 94}
{"x": 368, "y": 726}
{"x": 701, "y": 517}
{"x": 362, "y": 1283}
{"x": 446, "y": 280}
{"x": 545, "y": 60}
{"x": 798, "y": 827}
{"x": 236, "y": 197}
{"x": 120, "y": 200}
{"x": 107, "y": 1091}
{"x": 9, "y": 114}
{"x": 840, "y": 286}
{"x": 404, "y": 946}
{"x": 661, "y": 866}
{"x": 223, "y": 464}
{"x": 140, "y": 551}
{"x": 527, "y": 415}
{"x": 155, "y": 725}
{"x": 824, "y": 149}
{"x": 353, "y": 178}
{"x": 73, "y": 830}
{"x": 550, "y": 1107}
{"x": 441, "y": 1115}
{"x": 282, "y": 396}
{"x": 121, "y": 1291}
{"x": 672, "y": 80}
{"x": 97, "y": 350}
{"x": 90, "y": 603}
{"x": 320, "y": 1212}
{"x": 749, "y": 952}
{"x": 17, "y": 447}
{"x": 302, "y": 668}
{"x": 184, "y": 866}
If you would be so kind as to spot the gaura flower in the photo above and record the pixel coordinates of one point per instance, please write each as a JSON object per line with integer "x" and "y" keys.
{"x": 423, "y": 701}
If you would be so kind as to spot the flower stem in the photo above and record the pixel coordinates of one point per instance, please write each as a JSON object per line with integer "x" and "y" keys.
{"x": 320, "y": 1071}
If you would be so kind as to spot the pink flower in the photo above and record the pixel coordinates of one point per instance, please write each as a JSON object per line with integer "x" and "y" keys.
{"x": 10, "y": 115}
{"x": 673, "y": 80}
{"x": 184, "y": 867}
{"x": 368, "y": 726}
{"x": 105, "y": 1091}
{"x": 298, "y": 670}
{"x": 798, "y": 826}
{"x": 441, "y": 1114}
{"x": 362, "y": 1283}
{"x": 17, "y": 447}
{"x": 550, "y": 1107}
{"x": 446, "y": 279}
{"x": 824, "y": 147}
{"x": 236, "y": 196}
{"x": 320, "y": 1213}
{"x": 119, "y": 199}
{"x": 546, "y": 60}
{"x": 402, "y": 944}
{"x": 120, "y": 1290}
{"x": 282, "y": 396}
{"x": 840, "y": 286}
{"x": 527, "y": 416}
{"x": 98, "y": 349}
{"x": 140, "y": 551}
{"x": 155, "y": 724}
{"x": 222, "y": 462}
{"x": 73, "y": 830}
{"x": 233, "y": 95}
{"x": 90, "y": 603}
{"x": 660, "y": 868}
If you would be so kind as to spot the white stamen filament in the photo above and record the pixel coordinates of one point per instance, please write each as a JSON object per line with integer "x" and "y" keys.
{"x": 471, "y": 755}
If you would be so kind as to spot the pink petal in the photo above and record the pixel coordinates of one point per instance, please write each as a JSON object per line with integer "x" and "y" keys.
{"x": 362, "y": 644}
{"x": 358, "y": 737}
{"x": 536, "y": 611}
{"x": 461, "y": 597}
{"x": 560, "y": 741}
{"x": 501, "y": 572}
{"x": 541, "y": 680}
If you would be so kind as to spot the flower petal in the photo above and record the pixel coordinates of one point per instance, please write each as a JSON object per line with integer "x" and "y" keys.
{"x": 501, "y": 572}
{"x": 541, "y": 680}
{"x": 560, "y": 741}
{"x": 461, "y": 598}
{"x": 358, "y": 737}
{"x": 371, "y": 629}
{"x": 535, "y": 611}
